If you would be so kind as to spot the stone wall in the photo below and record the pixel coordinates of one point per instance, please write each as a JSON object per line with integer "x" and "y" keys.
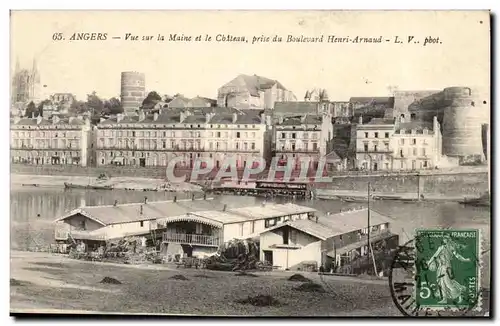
{"x": 452, "y": 184}
{"x": 445, "y": 184}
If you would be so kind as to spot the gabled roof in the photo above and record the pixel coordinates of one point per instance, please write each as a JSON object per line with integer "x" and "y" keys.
{"x": 307, "y": 226}
{"x": 126, "y": 213}
{"x": 255, "y": 83}
{"x": 307, "y": 119}
{"x": 332, "y": 225}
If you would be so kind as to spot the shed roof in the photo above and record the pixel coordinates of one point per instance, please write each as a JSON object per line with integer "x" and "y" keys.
{"x": 331, "y": 225}
{"x": 270, "y": 210}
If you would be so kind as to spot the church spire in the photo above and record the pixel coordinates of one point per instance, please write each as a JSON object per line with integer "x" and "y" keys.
{"x": 18, "y": 66}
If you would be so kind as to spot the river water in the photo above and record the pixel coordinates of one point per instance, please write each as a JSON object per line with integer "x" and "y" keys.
{"x": 33, "y": 211}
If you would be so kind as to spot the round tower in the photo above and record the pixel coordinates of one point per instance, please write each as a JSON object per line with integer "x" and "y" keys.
{"x": 133, "y": 89}
{"x": 463, "y": 116}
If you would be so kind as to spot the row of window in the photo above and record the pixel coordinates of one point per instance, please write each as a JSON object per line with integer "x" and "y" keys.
{"x": 45, "y": 154}
{"x": 109, "y": 132}
{"x": 376, "y": 134}
{"x": 41, "y": 143}
{"x": 48, "y": 134}
{"x": 305, "y": 146}
{"x": 293, "y": 135}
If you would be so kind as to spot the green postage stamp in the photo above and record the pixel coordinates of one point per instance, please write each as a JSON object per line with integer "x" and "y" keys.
{"x": 448, "y": 270}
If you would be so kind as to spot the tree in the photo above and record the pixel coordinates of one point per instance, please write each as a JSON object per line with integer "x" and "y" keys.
{"x": 94, "y": 103}
{"x": 31, "y": 110}
{"x": 78, "y": 107}
{"x": 113, "y": 106}
{"x": 41, "y": 105}
{"x": 151, "y": 100}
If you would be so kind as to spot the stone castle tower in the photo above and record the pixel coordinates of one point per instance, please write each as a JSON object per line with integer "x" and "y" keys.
{"x": 25, "y": 84}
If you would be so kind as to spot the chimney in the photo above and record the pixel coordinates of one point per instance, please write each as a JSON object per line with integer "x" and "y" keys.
{"x": 224, "y": 208}
{"x": 303, "y": 118}
{"x": 145, "y": 200}
{"x": 269, "y": 122}
{"x": 141, "y": 210}
{"x": 119, "y": 117}
{"x": 175, "y": 199}
{"x": 116, "y": 202}
{"x": 17, "y": 119}
{"x": 235, "y": 117}
{"x": 360, "y": 119}
{"x": 192, "y": 197}
{"x": 183, "y": 116}
{"x": 101, "y": 120}
{"x": 39, "y": 119}
{"x": 262, "y": 118}
{"x": 142, "y": 115}
{"x": 435, "y": 123}
{"x": 82, "y": 202}
{"x": 155, "y": 116}
{"x": 280, "y": 119}
{"x": 316, "y": 219}
{"x": 208, "y": 116}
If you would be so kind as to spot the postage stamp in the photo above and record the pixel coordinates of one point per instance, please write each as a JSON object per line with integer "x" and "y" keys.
{"x": 448, "y": 271}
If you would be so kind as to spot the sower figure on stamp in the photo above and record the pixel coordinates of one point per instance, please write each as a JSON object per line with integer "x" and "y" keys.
{"x": 440, "y": 262}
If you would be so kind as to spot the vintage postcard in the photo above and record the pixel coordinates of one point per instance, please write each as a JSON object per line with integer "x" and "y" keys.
{"x": 250, "y": 163}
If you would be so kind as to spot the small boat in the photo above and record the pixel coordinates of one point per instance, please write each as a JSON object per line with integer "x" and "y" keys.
{"x": 483, "y": 201}
{"x": 30, "y": 185}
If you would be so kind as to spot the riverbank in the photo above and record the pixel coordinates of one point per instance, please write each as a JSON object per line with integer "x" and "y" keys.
{"x": 349, "y": 195}
{"x": 57, "y": 283}
{"x": 124, "y": 183}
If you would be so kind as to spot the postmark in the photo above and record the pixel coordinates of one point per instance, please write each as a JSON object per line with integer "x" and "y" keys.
{"x": 438, "y": 273}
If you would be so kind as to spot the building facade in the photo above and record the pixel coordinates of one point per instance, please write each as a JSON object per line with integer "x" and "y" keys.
{"x": 373, "y": 145}
{"x": 58, "y": 141}
{"x": 416, "y": 145}
{"x": 257, "y": 92}
{"x": 154, "y": 140}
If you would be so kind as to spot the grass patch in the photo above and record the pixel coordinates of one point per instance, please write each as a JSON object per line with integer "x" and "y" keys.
{"x": 110, "y": 280}
{"x": 246, "y": 274}
{"x": 14, "y": 282}
{"x": 259, "y": 301}
{"x": 298, "y": 278}
{"x": 203, "y": 276}
{"x": 310, "y": 287}
{"x": 48, "y": 264}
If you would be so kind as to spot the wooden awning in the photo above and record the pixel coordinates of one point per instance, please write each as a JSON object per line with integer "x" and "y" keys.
{"x": 190, "y": 218}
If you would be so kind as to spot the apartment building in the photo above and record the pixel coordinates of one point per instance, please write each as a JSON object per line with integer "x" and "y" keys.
{"x": 417, "y": 145}
{"x": 373, "y": 144}
{"x": 308, "y": 135}
{"x": 55, "y": 141}
{"x": 211, "y": 133}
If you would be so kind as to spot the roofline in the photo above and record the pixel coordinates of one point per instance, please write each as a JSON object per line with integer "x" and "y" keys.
{"x": 288, "y": 224}
{"x": 150, "y": 202}
{"x": 81, "y": 211}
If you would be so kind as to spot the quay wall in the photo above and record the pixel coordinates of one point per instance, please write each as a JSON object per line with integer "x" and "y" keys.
{"x": 445, "y": 184}
{"x": 452, "y": 184}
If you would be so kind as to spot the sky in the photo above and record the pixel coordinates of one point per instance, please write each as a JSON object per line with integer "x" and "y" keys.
{"x": 200, "y": 68}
